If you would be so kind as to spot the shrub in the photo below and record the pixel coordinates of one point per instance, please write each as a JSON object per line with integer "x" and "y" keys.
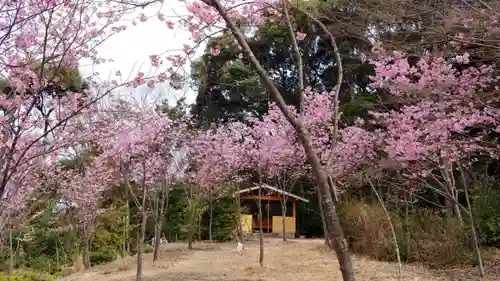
{"x": 224, "y": 219}
{"x": 439, "y": 240}
{"x": 148, "y": 248}
{"x": 26, "y": 276}
{"x": 102, "y": 256}
{"x": 432, "y": 239}
{"x": 486, "y": 211}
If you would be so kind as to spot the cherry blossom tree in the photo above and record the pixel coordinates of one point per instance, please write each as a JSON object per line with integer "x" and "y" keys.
{"x": 215, "y": 10}
{"x": 446, "y": 115}
{"x": 40, "y": 40}
{"x": 83, "y": 188}
{"x": 137, "y": 150}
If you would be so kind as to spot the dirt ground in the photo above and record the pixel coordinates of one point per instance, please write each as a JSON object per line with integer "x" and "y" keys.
{"x": 290, "y": 261}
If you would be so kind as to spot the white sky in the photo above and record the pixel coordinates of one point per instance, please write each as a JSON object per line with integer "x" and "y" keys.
{"x": 131, "y": 48}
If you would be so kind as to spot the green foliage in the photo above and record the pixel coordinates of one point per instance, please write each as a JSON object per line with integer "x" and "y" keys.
{"x": 147, "y": 248}
{"x": 68, "y": 78}
{"x": 109, "y": 233}
{"x": 176, "y": 212}
{"x": 26, "y": 276}
{"x": 432, "y": 239}
{"x": 224, "y": 219}
{"x": 357, "y": 107}
{"x": 308, "y": 218}
{"x": 229, "y": 89}
{"x": 191, "y": 225}
{"x": 486, "y": 211}
{"x": 102, "y": 256}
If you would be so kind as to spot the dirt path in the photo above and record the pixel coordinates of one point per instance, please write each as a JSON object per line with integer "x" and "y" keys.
{"x": 296, "y": 260}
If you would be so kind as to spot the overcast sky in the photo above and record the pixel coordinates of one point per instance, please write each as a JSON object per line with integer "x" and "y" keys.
{"x": 131, "y": 48}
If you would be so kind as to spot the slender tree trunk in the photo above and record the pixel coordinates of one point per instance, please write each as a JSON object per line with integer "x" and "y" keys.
{"x": 86, "y": 247}
{"x": 240, "y": 224}
{"x": 268, "y": 211}
{"x": 475, "y": 240}
{"x": 126, "y": 246}
{"x": 333, "y": 189}
{"x": 283, "y": 220}
{"x": 452, "y": 190}
{"x": 191, "y": 221}
{"x": 86, "y": 251}
{"x": 140, "y": 240}
{"x": 157, "y": 232}
{"x": 323, "y": 220}
{"x": 261, "y": 232}
{"x": 210, "y": 219}
{"x": 142, "y": 233}
{"x": 456, "y": 210}
{"x": 11, "y": 253}
{"x": 156, "y": 252}
{"x": 335, "y": 232}
{"x": 407, "y": 228}
{"x": 393, "y": 231}
{"x": 58, "y": 261}
{"x": 159, "y": 222}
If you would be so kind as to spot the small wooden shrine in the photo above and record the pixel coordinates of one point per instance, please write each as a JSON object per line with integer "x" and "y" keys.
{"x": 272, "y": 219}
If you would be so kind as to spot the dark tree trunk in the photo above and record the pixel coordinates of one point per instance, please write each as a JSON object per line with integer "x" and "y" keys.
{"x": 86, "y": 252}
{"x": 283, "y": 219}
{"x": 159, "y": 222}
{"x": 210, "y": 220}
{"x": 142, "y": 233}
{"x": 156, "y": 253}
{"x": 240, "y": 226}
{"x": 323, "y": 220}
{"x": 261, "y": 231}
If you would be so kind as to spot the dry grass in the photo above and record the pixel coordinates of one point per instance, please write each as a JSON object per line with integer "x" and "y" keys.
{"x": 294, "y": 260}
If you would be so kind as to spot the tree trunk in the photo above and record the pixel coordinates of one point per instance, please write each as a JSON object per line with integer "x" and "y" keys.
{"x": 157, "y": 231}
{"x": 157, "y": 237}
{"x": 261, "y": 232}
{"x": 159, "y": 222}
{"x": 475, "y": 240}
{"x": 451, "y": 189}
{"x": 191, "y": 221}
{"x": 126, "y": 245}
{"x": 323, "y": 220}
{"x": 142, "y": 233}
{"x": 407, "y": 228}
{"x": 283, "y": 219}
{"x": 140, "y": 239}
{"x": 333, "y": 189}
{"x": 11, "y": 253}
{"x": 456, "y": 210}
{"x": 240, "y": 225}
{"x": 86, "y": 252}
{"x": 58, "y": 260}
{"x": 393, "y": 231}
{"x": 268, "y": 211}
{"x": 210, "y": 219}
{"x": 335, "y": 232}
